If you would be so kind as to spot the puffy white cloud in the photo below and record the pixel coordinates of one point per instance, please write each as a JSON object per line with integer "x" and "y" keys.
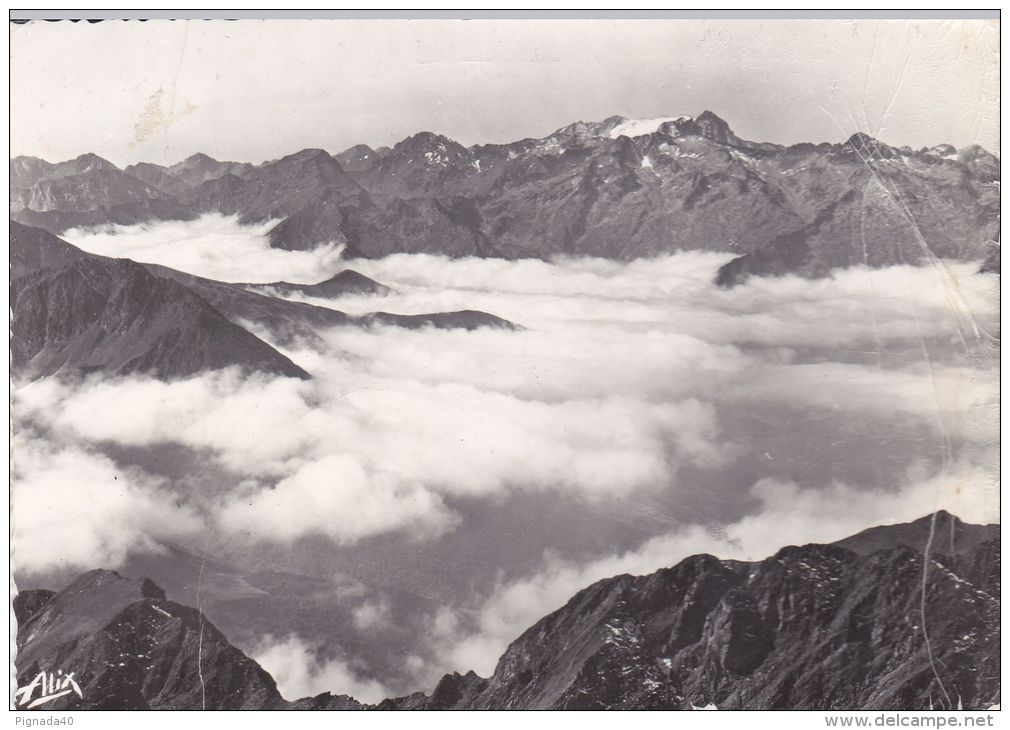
{"x": 300, "y": 672}
{"x": 348, "y": 462}
{"x": 214, "y": 245}
{"x": 76, "y": 509}
{"x": 635, "y": 388}
{"x": 370, "y": 615}
{"x": 337, "y": 498}
{"x": 609, "y": 390}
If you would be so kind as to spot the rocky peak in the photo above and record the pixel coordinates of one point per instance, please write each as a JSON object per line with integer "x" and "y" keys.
{"x": 868, "y": 148}
{"x": 131, "y": 648}
{"x": 304, "y": 158}
{"x": 310, "y": 153}
{"x": 813, "y": 626}
{"x": 680, "y": 127}
{"x": 304, "y": 172}
{"x": 89, "y": 162}
{"x": 581, "y": 133}
{"x": 433, "y": 149}
{"x": 715, "y": 128}
{"x": 199, "y": 161}
{"x": 24, "y": 164}
{"x": 357, "y": 158}
{"x": 340, "y": 284}
{"x": 942, "y": 531}
{"x": 200, "y": 158}
{"x": 28, "y": 171}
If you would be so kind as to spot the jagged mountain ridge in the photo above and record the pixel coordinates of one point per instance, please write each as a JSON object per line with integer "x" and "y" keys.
{"x": 618, "y": 189}
{"x": 77, "y": 313}
{"x": 812, "y": 627}
{"x": 132, "y": 649}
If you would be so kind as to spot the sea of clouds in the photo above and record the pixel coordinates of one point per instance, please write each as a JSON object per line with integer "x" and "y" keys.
{"x": 808, "y": 410}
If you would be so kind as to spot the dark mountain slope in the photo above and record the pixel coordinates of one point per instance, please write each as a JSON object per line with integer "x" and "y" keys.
{"x": 812, "y": 627}
{"x": 35, "y": 248}
{"x": 288, "y": 320}
{"x": 157, "y": 176}
{"x": 945, "y": 534}
{"x": 465, "y": 319}
{"x": 284, "y": 320}
{"x": 991, "y": 264}
{"x": 371, "y": 225}
{"x": 358, "y": 158}
{"x": 275, "y": 189}
{"x": 76, "y": 312}
{"x": 73, "y": 312}
{"x": 340, "y": 284}
{"x": 119, "y": 213}
{"x": 95, "y": 189}
{"x": 192, "y": 172}
{"x": 131, "y": 648}
{"x": 113, "y": 316}
{"x": 867, "y": 204}
{"x": 320, "y": 203}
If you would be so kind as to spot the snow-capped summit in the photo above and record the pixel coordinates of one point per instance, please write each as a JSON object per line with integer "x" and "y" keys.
{"x": 638, "y": 127}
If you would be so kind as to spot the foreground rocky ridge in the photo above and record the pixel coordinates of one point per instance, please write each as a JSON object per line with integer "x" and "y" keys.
{"x": 813, "y": 627}
{"x": 618, "y": 189}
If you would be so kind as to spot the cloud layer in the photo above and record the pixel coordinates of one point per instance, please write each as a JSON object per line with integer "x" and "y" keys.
{"x": 75, "y": 509}
{"x": 675, "y": 416}
{"x": 215, "y": 246}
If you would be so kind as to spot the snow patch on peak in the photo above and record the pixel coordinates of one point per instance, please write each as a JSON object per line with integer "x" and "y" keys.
{"x": 638, "y": 127}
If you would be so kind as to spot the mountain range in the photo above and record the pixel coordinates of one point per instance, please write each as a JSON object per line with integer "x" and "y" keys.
{"x": 870, "y": 622}
{"x": 77, "y": 313}
{"x": 619, "y": 189}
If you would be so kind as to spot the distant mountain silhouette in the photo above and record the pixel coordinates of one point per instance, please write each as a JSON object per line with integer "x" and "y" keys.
{"x": 340, "y": 284}
{"x": 619, "y": 189}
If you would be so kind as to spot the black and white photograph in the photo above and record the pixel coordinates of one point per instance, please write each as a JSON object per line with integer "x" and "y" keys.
{"x": 459, "y": 362}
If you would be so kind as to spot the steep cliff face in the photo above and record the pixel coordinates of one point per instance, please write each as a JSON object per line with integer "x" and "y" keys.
{"x": 812, "y": 627}
{"x": 131, "y": 648}
{"x": 618, "y": 189}
{"x": 77, "y": 313}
